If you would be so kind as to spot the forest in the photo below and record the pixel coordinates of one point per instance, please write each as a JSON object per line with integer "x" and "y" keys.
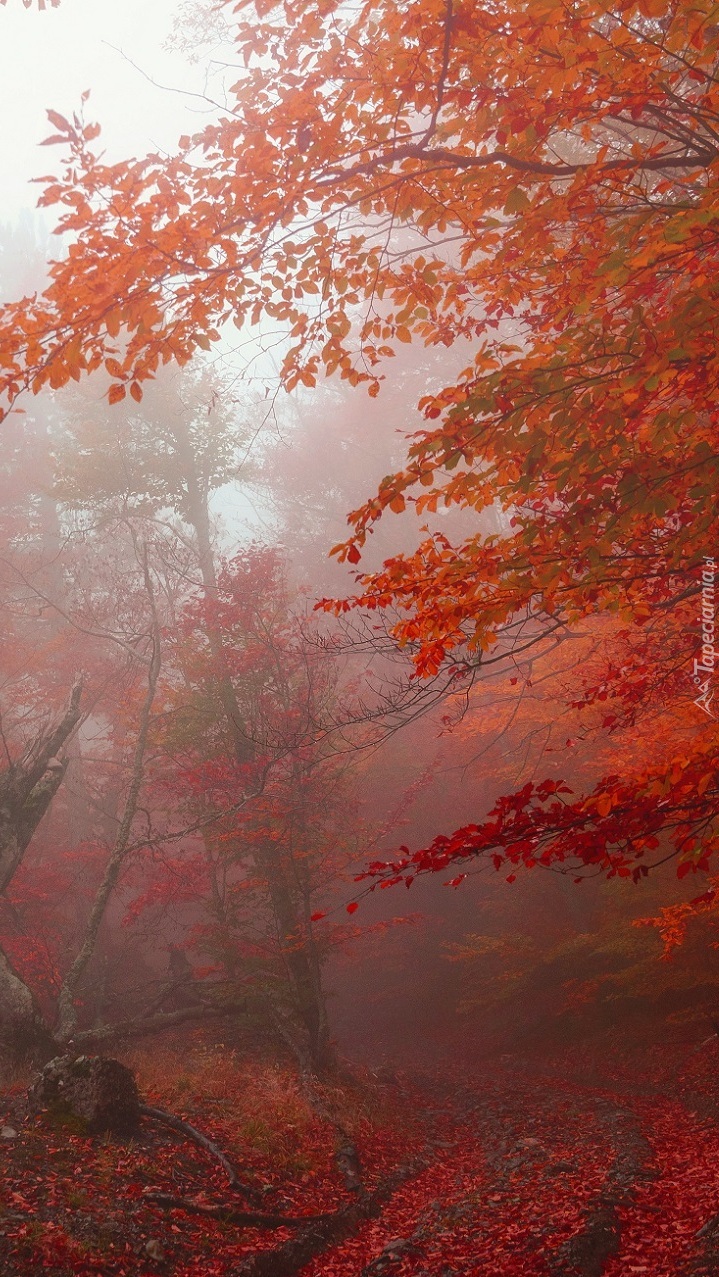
{"x": 359, "y": 905}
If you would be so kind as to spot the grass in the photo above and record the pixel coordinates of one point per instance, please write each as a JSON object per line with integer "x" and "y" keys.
{"x": 76, "y": 1205}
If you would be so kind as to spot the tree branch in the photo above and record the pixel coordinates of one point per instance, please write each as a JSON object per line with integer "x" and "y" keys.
{"x": 185, "y": 1128}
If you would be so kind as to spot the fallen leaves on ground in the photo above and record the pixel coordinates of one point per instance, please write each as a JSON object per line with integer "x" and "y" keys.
{"x": 514, "y": 1165}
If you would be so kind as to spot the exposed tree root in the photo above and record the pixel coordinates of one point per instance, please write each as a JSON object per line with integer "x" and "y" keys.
{"x": 706, "y": 1262}
{"x": 229, "y": 1215}
{"x": 347, "y": 1158}
{"x": 191, "y": 1132}
{"x": 316, "y": 1232}
{"x": 287, "y": 1259}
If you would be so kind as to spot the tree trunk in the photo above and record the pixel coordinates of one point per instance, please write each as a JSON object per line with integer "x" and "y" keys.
{"x": 199, "y": 518}
{"x": 24, "y": 1035}
{"x": 27, "y": 788}
{"x": 301, "y": 962}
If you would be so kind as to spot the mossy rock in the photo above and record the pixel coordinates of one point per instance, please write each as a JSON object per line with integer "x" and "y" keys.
{"x": 87, "y": 1094}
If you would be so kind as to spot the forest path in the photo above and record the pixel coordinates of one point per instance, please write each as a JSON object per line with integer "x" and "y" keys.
{"x": 516, "y": 1169}
{"x": 543, "y": 1176}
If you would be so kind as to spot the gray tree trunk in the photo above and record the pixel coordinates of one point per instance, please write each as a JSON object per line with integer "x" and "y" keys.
{"x": 24, "y": 1035}
{"x": 27, "y": 787}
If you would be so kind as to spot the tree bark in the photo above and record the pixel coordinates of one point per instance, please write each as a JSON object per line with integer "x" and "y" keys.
{"x": 24, "y": 1035}
{"x": 304, "y": 972}
{"x": 27, "y": 787}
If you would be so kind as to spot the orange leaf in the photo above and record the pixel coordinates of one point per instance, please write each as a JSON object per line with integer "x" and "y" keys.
{"x": 604, "y": 805}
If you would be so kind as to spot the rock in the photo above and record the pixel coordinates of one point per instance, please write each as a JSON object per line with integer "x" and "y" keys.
{"x": 396, "y": 1246}
{"x": 91, "y": 1093}
{"x": 154, "y": 1250}
{"x": 8, "y": 1133}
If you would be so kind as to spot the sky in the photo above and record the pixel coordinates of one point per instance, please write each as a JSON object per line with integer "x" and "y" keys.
{"x": 48, "y": 59}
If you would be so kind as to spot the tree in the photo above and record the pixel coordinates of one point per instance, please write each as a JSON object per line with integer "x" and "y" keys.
{"x": 537, "y": 179}
{"x": 28, "y": 785}
{"x": 251, "y": 877}
{"x": 247, "y": 767}
{"x": 32, "y": 778}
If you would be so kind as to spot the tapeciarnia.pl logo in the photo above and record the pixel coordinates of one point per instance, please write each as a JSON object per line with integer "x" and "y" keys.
{"x": 704, "y": 668}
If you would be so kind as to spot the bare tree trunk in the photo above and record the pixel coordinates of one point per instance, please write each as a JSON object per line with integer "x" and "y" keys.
{"x": 66, "y": 1011}
{"x": 24, "y": 1035}
{"x": 199, "y": 518}
{"x": 304, "y": 973}
{"x": 27, "y": 787}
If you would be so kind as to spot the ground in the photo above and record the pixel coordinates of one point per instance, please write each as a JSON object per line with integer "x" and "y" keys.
{"x": 562, "y": 1167}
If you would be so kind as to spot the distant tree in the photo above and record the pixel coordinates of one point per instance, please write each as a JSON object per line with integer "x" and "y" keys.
{"x": 250, "y": 875}
{"x": 246, "y": 757}
{"x": 38, "y": 754}
{"x": 539, "y": 183}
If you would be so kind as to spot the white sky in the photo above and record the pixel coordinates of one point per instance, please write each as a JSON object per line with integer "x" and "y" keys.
{"x": 47, "y": 59}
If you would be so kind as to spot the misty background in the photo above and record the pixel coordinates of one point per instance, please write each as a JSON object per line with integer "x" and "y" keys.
{"x": 216, "y": 463}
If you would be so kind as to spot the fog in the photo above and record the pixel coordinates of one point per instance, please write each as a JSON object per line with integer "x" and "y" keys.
{"x": 358, "y": 786}
{"x": 158, "y": 539}
{"x": 85, "y": 47}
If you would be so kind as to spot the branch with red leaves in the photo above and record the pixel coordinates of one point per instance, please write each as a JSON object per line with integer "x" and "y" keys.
{"x": 609, "y": 832}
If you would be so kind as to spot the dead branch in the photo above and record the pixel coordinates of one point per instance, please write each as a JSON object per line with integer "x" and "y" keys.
{"x": 152, "y": 1024}
{"x": 249, "y": 1219}
{"x": 191, "y": 1132}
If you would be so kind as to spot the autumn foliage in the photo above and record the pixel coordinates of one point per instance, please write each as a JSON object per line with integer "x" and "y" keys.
{"x": 535, "y": 183}
{"x": 527, "y": 190}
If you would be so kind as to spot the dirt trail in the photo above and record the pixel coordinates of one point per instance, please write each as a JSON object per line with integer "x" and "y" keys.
{"x": 514, "y": 1170}
{"x": 537, "y": 1176}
